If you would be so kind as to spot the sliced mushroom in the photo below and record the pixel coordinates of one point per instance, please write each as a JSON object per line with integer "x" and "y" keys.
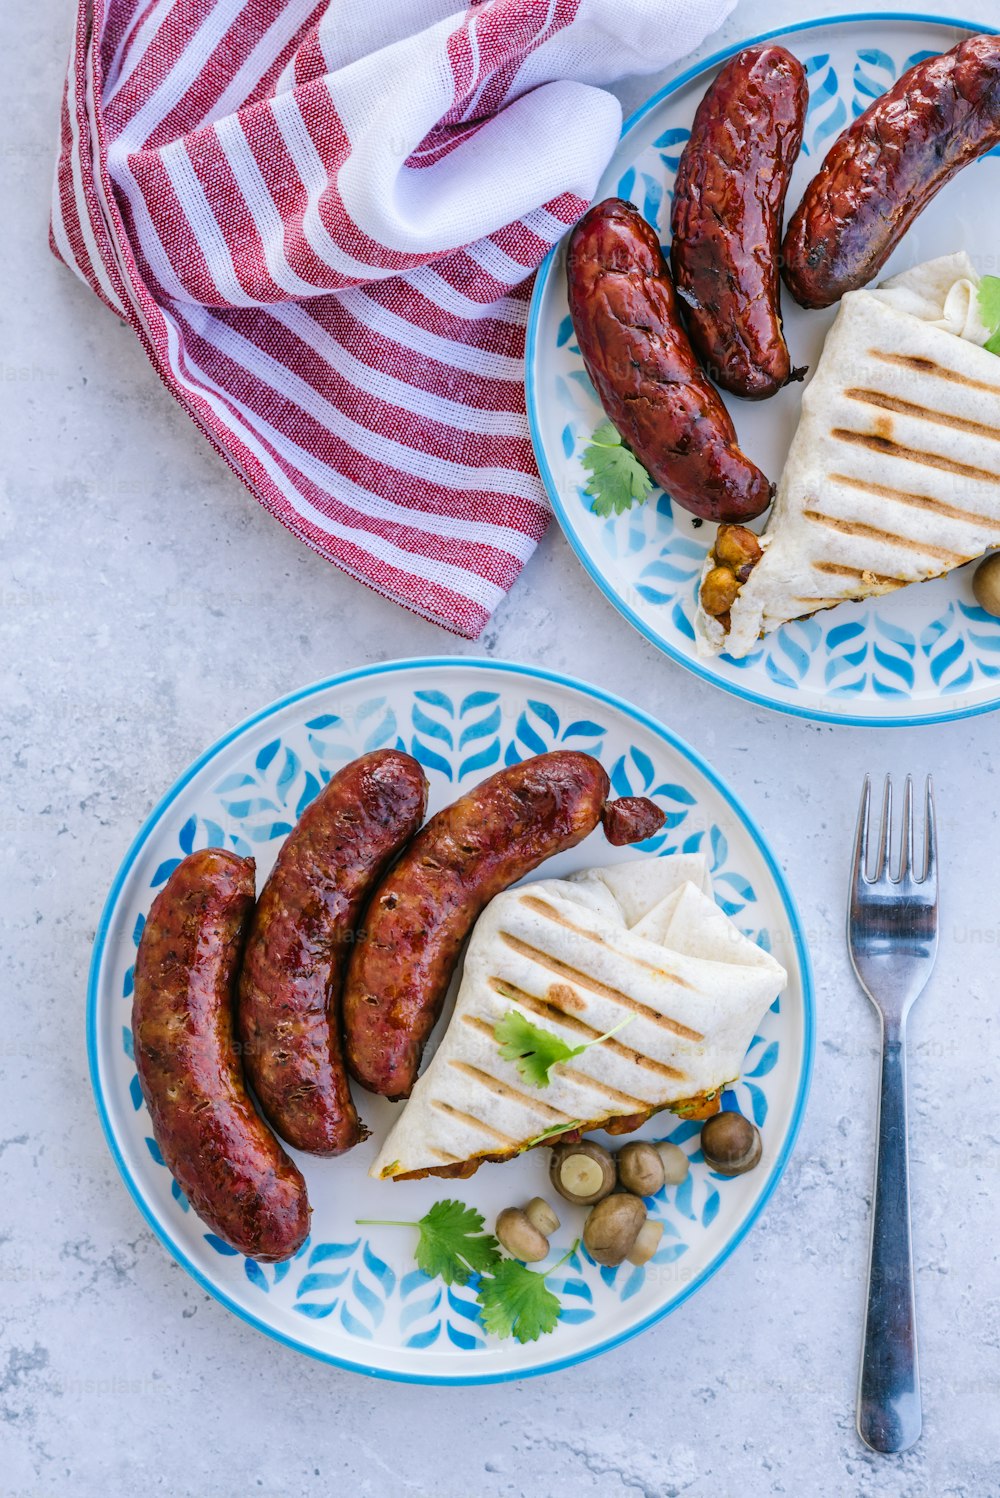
{"x": 612, "y": 1227}
{"x": 730, "y": 1143}
{"x": 675, "y": 1162}
{"x": 640, "y": 1169}
{"x": 541, "y": 1216}
{"x": 582, "y": 1173}
{"x": 646, "y": 1243}
{"x": 519, "y": 1236}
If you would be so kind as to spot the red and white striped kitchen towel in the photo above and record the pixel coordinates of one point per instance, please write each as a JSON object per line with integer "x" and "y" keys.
{"x": 321, "y": 221}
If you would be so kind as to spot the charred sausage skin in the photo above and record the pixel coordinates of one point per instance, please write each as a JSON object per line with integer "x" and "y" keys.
{"x": 221, "y": 1153}
{"x": 631, "y": 819}
{"x": 886, "y": 167}
{"x": 637, "y": 354}
{"x": 300, "y": 942}
{"x": 424, "y": 909}
{"x": 729, "y": 197}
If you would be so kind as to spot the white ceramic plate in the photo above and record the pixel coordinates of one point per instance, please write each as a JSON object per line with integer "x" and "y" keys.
{"x": 353, "y": 1296}
{"x": 923, "y": 655}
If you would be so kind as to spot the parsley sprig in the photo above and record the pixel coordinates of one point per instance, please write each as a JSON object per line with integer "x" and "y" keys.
{"x": 515, "y": 1301}
{"x": 450, "y": 1243}
{"x": 536, "y": 1050}
{"x": 989, "y": 310}
{"x": 617, "y": 478}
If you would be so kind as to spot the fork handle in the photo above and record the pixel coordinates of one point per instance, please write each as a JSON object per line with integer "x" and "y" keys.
{"x": 889, "y": 1417}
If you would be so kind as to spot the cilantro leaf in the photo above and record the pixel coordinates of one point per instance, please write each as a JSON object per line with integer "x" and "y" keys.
{"x": 451, "y": 1242}
{"x": 516, "y": 1302}
{"x": 989, "y": 309}
{"x": 535, "y": 1050}
{"x": 617, "y": 478}
{"x": 560, "y": 1128}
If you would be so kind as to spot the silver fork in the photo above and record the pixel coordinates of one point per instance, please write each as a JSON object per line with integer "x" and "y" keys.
{"x": 892, "y": 938}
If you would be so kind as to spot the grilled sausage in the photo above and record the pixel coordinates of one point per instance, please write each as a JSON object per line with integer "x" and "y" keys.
{"x": 221, "y": 1153}
{"x": 637, "y": 354}
{"x": 729, "y": 197}
{"x": 422, "y": 912}
{"x": 300, "y": 940}
{"x": 887, "y": 166}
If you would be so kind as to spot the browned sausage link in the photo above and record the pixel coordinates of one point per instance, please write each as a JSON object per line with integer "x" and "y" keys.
{"x": 886, "y": 167}
{"x": 300, "y": 942}
{"x": 221, "y": 1153}
{"x": 628, "y": 327}
{"x": 631, "y": 819}
{"x": 726, "y": 219}
{"x": 422, "y": 912}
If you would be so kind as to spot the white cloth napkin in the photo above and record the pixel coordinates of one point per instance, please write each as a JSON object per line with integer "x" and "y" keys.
{"x": 322, "y": 221}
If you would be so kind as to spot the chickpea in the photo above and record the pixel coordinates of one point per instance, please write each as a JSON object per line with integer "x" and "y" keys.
{"x": 719, "y": 591}
{"x": 737, "y": 548}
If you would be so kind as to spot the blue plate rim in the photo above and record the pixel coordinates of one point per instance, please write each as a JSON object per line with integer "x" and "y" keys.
{"x": 543, "y": 274}
{"x": 509, "y": 668}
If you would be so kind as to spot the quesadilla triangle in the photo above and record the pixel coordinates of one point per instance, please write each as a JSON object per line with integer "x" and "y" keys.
{"x": 893, "y": 476}
{"x": 642, "y": 942}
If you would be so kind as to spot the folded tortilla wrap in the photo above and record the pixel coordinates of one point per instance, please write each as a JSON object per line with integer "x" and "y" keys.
{"x": 641, "y": 942}
{"x": 893, "y": 475}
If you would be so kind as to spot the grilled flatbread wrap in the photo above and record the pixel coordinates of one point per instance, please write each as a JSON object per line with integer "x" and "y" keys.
{"x": 893, "y": 476}
{"x": 643, "y": 942}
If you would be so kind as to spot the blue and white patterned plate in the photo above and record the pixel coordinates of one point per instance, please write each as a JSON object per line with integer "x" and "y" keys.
{"x": 923, "y": 655}
{"x": 353, "y": 1295}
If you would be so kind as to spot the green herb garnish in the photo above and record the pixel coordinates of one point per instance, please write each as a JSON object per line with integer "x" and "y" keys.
{"x": 536, "y": 1050}
{"x": 516, "y": 1301}
{"x": 989, "y": 310}
{"x": 451, "y": 1241}
{"x": 617, "y": 478}
{"x": 574, "y": 1123}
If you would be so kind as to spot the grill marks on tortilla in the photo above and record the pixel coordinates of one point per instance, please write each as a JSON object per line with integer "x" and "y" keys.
{"x": 891, "y": 449}
{"x": 504, "y": 1089}
{"x": 626, "y": 1101}
{"x": 548, "y": 1009}
{"x": 859, "y": 574}
{"x": 543, "y": 908}
{"x": 872, "y": 533}
{"x": 560, "y": 1001}
{"x": 920, "y": 365}
{"x": 563, "y": 971}
{"x": 883, "y": 402}
{"x": 475, "y": 1123}
{"x": 918, "y": 501}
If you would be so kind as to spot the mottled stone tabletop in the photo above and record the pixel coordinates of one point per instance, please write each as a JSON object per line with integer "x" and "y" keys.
{"x": 147, "y": 604}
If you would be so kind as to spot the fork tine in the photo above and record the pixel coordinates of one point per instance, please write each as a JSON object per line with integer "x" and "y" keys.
{"x": 861, "y": 835}
{"x": 885, "y": 833}
{"x": 930, "y": 838}
{"x": 906, "y": 836}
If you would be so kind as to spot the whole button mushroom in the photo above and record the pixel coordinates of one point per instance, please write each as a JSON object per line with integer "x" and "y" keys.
{"x": 519, "y": 1236}
{"x": 986, "y": 583}
{"x": 582, "y": 1173}
{"x": 640, "y": 1169}
{"x": 730, "y": 1143}
{"x": 612, "y": 1227}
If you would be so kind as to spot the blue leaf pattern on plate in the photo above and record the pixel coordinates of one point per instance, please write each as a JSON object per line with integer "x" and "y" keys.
{"x": 354, "y": 1281}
